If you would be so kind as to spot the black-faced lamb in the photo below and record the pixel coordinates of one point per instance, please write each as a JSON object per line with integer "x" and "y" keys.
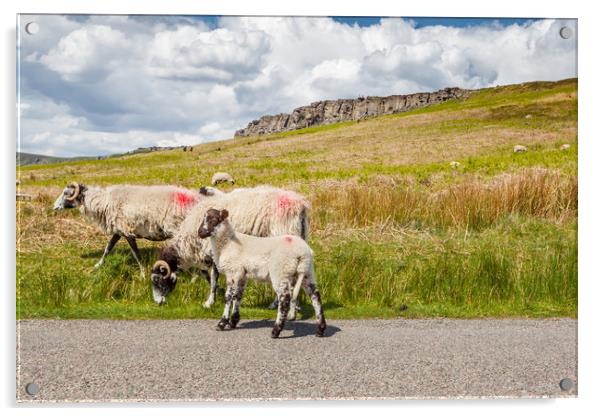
{"x": 261, "y": 211}
{"x": 287, "y": 262}
{"x": 131, "y": 211}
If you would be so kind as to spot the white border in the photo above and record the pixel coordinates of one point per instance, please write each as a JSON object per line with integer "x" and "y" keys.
{"x": 590, "y": 155}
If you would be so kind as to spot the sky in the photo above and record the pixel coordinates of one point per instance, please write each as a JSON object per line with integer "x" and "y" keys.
{"x": 99, "y": 85}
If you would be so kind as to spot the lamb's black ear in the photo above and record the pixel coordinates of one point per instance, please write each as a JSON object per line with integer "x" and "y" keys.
{"x": 223, "y": 214}
{"x": 204, "y": 190}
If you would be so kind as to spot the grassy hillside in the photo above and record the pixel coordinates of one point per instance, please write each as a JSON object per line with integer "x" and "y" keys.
{"x": 396, "y": 230}
{"x": 34, "y": 159}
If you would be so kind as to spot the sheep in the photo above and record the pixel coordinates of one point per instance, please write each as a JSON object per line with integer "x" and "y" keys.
{"x": 565, "y": 146}
{"x": 262, "y": 211}
{"x": 287, "y": 262}
{"x": 150, "y": 212}
{"x": 454, "y": 165}
{"x": 519, "y": 148}
{"x": 220, "y": 177}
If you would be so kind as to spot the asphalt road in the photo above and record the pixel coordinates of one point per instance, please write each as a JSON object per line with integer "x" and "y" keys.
{"x": 101, "y": 360}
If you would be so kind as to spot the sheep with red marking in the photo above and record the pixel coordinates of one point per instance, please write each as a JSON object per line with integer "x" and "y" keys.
{"x": 131, "y": 211}
{"x": 287, "y": 262}
{"x": 262, "y": 211}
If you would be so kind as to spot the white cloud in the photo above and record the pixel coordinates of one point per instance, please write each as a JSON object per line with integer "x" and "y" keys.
{"x": 94, "y": 49}
{"x": 108, "y": 84}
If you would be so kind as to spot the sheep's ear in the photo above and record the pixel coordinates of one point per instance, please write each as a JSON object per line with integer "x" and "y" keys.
{"x": 204, "y": 190}
{"x": 223, "y": 214}
{"x": 82, "y": 187}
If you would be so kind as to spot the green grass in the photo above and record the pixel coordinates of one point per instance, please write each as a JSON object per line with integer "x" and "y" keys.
{"x": 396, "y": 231}
{"x": 519, "y": 267}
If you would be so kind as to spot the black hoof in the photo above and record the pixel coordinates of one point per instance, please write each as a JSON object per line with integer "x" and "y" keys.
{"x": 320, "y": 331}
{"x": 221, "y": 325}
{"x": 275, "y": 332}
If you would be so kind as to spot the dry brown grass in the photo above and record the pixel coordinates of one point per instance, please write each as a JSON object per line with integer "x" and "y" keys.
{"x": 474, "y": 204}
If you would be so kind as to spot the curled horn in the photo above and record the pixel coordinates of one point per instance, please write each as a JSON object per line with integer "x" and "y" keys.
{"x": 162, "y": 263}
{"x": 75, "y": 185}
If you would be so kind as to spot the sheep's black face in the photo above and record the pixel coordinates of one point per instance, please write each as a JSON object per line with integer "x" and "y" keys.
{"x": 163, "y": 285}
{"x": 212, "y": 219}
{"x": 163, "y": 275}
{"x": 71, "y": 197}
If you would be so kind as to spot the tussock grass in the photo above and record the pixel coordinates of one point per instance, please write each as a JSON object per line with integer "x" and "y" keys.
{"x": 472, "y": 204}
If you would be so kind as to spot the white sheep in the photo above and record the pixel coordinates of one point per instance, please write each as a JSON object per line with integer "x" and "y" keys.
{"x": 150, "y": 212}
{"x": 220, "y": 177}
{"x": 565, "y": 146}
{"x": 261, "y": 211}
{"x": 287, "y": 262}
{"x": 519, "y": 148}
{"x": 454, "y": 165}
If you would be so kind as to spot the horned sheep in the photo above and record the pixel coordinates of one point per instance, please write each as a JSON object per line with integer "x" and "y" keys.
{"x": 287, "y": 262}
{"x": 220, "y": 177}
{"x": 131, "y": 211}
{"x": 262, "y": 211}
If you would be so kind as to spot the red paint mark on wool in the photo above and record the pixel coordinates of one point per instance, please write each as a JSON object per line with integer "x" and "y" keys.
{"x": 288, "y": 239}
{"x": 285, "y": 203}
{"x": 185, "y": 199}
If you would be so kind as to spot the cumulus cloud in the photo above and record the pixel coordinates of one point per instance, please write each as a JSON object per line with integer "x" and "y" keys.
{"x": 107, "y": 84}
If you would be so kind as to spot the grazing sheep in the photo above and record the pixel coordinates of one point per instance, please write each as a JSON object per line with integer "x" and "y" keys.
{"x": 565, "y": 146}
{"x": 262, "y": 211}
{"x": 454, "y": 165}
{"x": 528, "y": 116}
{"x": 220, "y": 177}
{"x": 519, "y": 148}
{"x": 287, "y": 262}
{"x": 210, "y": 191}
{"x": 150, "y": 212}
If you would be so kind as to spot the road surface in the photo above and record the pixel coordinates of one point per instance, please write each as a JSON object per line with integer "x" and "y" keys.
{"x": 184, "y": 360}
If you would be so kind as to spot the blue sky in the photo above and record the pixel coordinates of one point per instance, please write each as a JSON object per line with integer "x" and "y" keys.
{"x": 95, "y": 85}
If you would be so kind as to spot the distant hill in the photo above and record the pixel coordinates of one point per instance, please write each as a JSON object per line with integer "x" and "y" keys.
{"x": 24, "y": 159}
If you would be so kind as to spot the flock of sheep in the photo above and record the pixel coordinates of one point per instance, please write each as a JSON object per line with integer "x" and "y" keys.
{"x": 258, "y": 233}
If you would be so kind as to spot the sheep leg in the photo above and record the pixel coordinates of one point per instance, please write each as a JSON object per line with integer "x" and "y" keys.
{"x": 134, "y": 248}
{"x": 274, "y": 305}
{"x": 213, "y": 275}
{"x": 108, "y": 249}
{"x": 237, "y": 297}
{"x": 284, "y": 303}
{"x": 316, "y": 300}
{"x": 224, "y": 321}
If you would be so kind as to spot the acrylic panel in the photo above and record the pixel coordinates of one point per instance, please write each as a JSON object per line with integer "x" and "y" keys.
{"x": 258, "y": 208}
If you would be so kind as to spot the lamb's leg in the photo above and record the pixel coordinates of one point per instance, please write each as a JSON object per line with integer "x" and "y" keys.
{"x": 284, "y": 303}
{"x": 237, "y": 297}
{"x": 274, "y": 305}
{"x": 316, "y": 301}
{"x": 213, "y": 275}
{"x": 108, "y": 249}
{"x": 134, "y": 248}
{"x": 221, "y": 325}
